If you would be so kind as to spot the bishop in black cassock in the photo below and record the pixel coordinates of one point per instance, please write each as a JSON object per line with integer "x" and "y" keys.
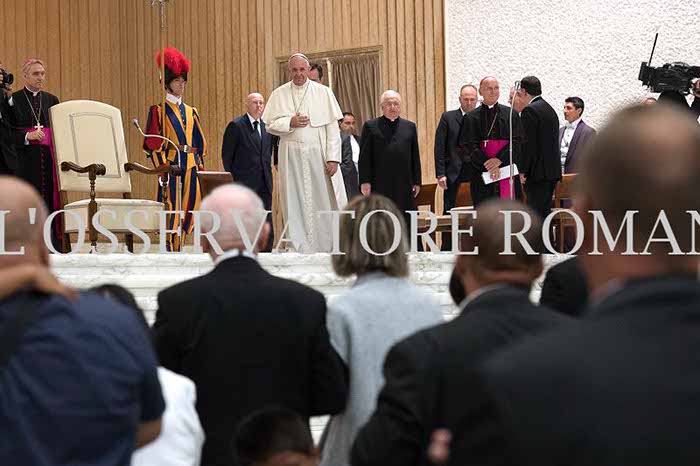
{"x": 26, "y": 111}
{"x": 389, "y": 156}
{"x": 487, "y": 125}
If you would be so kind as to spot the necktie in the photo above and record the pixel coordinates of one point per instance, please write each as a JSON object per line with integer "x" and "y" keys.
{"x": 256, "y": 136}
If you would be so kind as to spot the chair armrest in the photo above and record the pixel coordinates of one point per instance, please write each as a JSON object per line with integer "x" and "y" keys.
{"x": 94, "y": 168}
{"x": 137, "y": 167}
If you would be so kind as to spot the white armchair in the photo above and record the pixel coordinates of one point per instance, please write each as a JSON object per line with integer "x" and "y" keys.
{"x": 89, "y": 143}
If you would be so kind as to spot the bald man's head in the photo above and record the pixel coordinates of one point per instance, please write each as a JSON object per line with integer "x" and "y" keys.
{"x": 232, "y": 198}
{"x": 490, "y": 90}
{"x": 17, "y": 197}
{"x": 646, "y": 159}
{"x": 255, "y": 104}
{"x": 489, "y": 232}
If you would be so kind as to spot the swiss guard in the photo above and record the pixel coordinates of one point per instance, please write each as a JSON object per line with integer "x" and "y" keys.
{"x": 182, "y": 126}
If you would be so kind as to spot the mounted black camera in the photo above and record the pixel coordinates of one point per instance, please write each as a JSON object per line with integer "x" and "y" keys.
{"x": 676, "y": 76}
{"x": 7, "y": 78}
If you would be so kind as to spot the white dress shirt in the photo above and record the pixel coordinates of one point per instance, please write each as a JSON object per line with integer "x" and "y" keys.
{"x": 181, "y": 437}
{"x": 173, "y": 100}
{"x": 253, "y": 120}
{"x": 234, "y": 253}
{"x": 570, "y": 129}
{"x": 355, "y": 152}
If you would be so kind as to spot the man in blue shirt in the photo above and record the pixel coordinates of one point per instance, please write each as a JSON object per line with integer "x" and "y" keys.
{"x": 81, "y": 385}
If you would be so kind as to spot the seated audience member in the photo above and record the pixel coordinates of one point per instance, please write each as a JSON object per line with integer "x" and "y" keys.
{"x": 181, "y": 438}
{"x": 565, "y": 288}
{"x": 275, "y": 437}
{"x": 622, "y": 388}
{"x": 79, "y": 380}
{"x": 246, "y": 338}
{"x": 381, "y": 308}
{"x": 427, "y": 375}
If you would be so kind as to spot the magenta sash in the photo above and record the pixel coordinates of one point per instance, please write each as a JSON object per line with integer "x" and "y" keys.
{"x": 56, "y": 197}
{"x": 491, "y": 148}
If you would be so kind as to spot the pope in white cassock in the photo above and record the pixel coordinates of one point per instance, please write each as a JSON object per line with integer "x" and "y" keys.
{"x": 305, "y": 115}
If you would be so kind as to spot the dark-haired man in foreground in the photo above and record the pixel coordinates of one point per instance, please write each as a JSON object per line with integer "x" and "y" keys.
{"x": 623, "y": 387}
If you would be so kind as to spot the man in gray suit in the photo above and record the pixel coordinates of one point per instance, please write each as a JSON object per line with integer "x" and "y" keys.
{"x": 574, "y": 135}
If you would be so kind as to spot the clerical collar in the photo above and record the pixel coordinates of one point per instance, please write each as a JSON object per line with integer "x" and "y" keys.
{"x": 173, "y": 100}
{"x": 34, "y": 94}
{"x": 231, "y": 253}
{"x": 491, "y": 106}
{"x": 391, "y": 121}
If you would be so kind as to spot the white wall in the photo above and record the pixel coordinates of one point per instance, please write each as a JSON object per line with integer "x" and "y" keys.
{"x": 588, "y": 48}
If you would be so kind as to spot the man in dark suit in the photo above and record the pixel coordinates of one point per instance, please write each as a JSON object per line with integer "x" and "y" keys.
{"x": 565, "y": 288}
{"x": 623, "y": 387}
{"x": 427, "y": 383}
{"x": 247, "y": 154}
{"x": 540, "y": 163}
{"x": 450, "y": 170}
{"x": 574, "y": 135}
{"x": 351, "y": 155}
{"x": 245, "y": 337}
{"x": 390, "y": 157}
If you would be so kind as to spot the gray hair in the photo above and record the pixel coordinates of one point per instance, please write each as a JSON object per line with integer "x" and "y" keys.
{"x": 356, "y": 260}
{"x": 388, "y": 93}
{"x": 231, "y": 202}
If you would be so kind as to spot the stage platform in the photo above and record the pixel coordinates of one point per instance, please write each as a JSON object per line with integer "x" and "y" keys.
{"x": 147, "y": 274}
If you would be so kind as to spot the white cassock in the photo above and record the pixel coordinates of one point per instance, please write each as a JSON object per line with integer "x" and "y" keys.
{"x": 304, "y": 185}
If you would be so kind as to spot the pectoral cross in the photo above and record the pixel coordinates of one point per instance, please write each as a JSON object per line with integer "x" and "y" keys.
{"x": 486, "y": 143}
{"x": 39, "y": 126}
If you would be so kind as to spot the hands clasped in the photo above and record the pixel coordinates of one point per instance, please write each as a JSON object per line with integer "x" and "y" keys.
{"x": 299, "y": 121}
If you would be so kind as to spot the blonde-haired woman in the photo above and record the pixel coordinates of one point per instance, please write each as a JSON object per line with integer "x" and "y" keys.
{"x": 381, "y": 308}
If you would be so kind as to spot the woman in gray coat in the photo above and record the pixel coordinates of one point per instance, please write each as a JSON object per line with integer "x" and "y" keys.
{"x": 381, "y": 308}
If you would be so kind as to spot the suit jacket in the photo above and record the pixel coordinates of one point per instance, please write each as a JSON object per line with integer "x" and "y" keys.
{"x": 427, "y": 376}
{"x": 540, "y": 157}
{"x": 447, "y": 157}
{"x": 8, "y": 140}
{"x": 248, "y": 162}
{"x": 248, "y": 339}
{"x": 582, "y": 136}
{"x": 565, "y": 288}
{"x": 347, "y": 166}
{"x": 620, "y": 389}
{"x": 392, "y": 167}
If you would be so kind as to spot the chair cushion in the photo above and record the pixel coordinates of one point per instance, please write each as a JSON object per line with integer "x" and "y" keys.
{"x": 121, "y": 207}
